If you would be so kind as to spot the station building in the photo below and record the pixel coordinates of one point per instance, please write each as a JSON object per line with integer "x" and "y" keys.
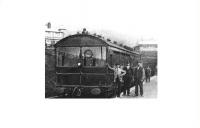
{"x": 148, "y": 55}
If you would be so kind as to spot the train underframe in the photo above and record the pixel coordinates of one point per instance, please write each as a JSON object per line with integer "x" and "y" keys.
{"x": 81, "y": 91}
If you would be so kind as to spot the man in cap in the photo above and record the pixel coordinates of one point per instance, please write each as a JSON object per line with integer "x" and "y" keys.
{"x": 139, "y": 76}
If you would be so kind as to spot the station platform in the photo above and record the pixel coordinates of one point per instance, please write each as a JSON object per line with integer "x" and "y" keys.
{"x": 149, "y": 89}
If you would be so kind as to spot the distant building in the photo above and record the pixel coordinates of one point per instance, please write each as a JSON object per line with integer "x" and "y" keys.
{"x": 52, "y": 36}
{"x": 146, "y": 47}
{"x": 148, "y": 55}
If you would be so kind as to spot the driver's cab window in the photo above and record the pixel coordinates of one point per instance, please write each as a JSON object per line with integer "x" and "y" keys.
{"x": 67, "y": 56}
{"x": 94, "y": 56}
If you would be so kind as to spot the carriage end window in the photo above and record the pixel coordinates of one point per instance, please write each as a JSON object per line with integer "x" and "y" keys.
{"x": 94, "y": 56}
{"x": 90, "y": 56}
{"x": 68, "y": 56}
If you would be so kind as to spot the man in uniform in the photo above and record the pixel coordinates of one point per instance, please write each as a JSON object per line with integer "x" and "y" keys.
{"x": 139, "y": 75}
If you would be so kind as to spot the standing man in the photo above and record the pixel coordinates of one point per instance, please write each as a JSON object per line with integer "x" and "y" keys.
{"x": 139, "y": 75}
{"x": 118, "y": 73}
{"x": 148, "y": 74}
{"x": 128, "y": 77}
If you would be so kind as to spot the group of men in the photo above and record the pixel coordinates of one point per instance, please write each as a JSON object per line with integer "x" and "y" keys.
{"x": 129, "y": 75}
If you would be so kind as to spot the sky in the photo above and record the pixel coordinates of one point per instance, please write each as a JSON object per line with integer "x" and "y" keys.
{"x": 108, "y": 34}
{"x": 125, "y": 21}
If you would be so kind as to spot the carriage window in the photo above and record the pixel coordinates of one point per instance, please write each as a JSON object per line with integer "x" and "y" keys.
{"x": 116, "y": 58}
{"x": 94, "y": 56}
{"x": 68, "y": 56}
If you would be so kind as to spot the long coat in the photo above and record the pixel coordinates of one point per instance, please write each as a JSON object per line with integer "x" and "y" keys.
{"x": 139, "y": 73}
{"x": 129, "y": 73}
{"x": 148, "y": 72}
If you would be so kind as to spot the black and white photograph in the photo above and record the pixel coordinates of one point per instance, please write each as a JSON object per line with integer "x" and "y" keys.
{"x": 91, "y": 65}
{"x": 100, "y": 63}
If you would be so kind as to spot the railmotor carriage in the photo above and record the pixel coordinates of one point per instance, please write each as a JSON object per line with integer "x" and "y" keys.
{"x": 81, "y": 65}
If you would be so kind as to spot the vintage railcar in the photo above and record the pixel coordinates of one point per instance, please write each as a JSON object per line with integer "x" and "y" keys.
{"x": 81, "y": 68}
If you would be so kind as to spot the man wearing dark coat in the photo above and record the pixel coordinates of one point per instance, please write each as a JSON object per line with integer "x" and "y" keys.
{"x": 139, "y": 75}
{"x": 128, "y": 77}
{"x": 148, "y": 74}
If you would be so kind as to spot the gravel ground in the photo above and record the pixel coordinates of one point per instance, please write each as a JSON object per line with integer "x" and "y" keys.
{"x": 149, "y": 89}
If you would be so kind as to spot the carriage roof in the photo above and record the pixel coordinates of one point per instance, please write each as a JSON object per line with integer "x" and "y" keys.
{"x": 87, "y": 40}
